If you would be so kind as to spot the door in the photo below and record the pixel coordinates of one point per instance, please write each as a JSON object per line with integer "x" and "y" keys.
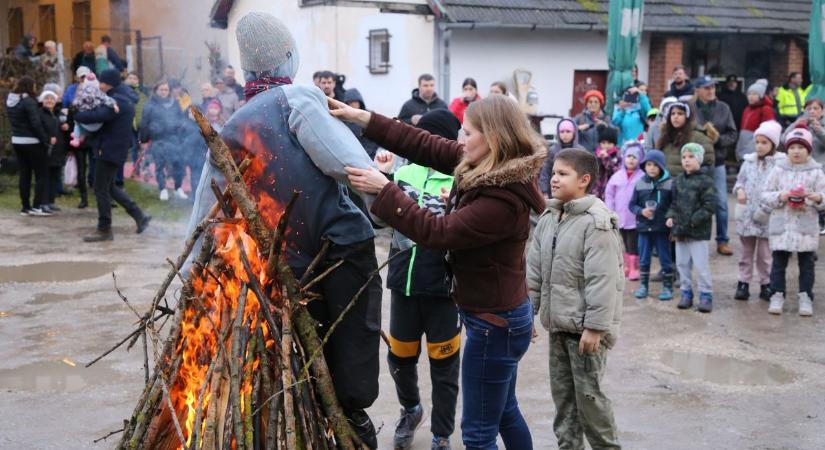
{"x": 583, "y": 81}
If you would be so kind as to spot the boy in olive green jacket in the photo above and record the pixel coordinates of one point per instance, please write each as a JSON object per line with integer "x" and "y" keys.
{"x": 576, "y": 280}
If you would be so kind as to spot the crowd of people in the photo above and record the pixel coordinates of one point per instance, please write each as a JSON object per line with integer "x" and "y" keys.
{"x": 469, "y": 181}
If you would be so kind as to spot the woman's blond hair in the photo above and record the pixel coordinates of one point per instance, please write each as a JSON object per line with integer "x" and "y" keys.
{"x": 507, "y": 132}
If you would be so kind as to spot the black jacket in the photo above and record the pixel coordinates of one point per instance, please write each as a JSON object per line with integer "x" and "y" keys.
{"x": 115, "y": 59}
{"x": 51, "y": 123}
{"x": 24, "y": 116}
{"x": 677, "y": 92}
{"x": 737, "y": 101}
{"x": 418, "y": 106}
{"x": 115, "y": 138}
{"x": 162, "y": 121}
{"x": 83, "y": 59}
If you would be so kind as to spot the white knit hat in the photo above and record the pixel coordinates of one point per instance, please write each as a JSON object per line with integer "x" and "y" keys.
{"x": 759, "y": 87}
{"x": 264, "y": 41}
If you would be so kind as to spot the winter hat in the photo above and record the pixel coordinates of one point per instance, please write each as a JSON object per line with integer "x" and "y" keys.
{"x": 440, "y": 122}
{"x": 45, "y": 94}
{"x": 771, "y": 130}
{"x": 594, "y": 93}
{"x": 82, "y": 71}
{"x": 681, "y": 105}
{"x": 697, "y": 150}
{"x": 264, "y": 41}
{"x": 608, "y": 134}
{"x": 653, "y": 112}
{"x": 634, "y": 148}
{"x": 54, "y": 87}
{"x": 666, "y": 102}
{"x": 215, "y": 104}
{"x": 567, "y": 125}
{"x": 111, "y": 77}
{"x": 759, "y": 87}
{"x": 657, "y": 157}
{"x": 800, "y": 136}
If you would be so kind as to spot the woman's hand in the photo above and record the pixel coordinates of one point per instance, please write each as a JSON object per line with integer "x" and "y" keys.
{"x": 348, "y": 113}
{"x": 584, "y": 127}
{"x": 369, "y": 181}
{"x": 53, "y": 141}
{"x": 385, "y": 161}
{"x": 669, "y": 223}
{"x": 445, "y": 195}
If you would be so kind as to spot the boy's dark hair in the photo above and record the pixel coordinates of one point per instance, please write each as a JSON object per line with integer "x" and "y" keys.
{"x": 425, "y": 77}
{"x": 582, "y": 161}
{"x": 327, "y": 74}
{"x": 105, "y": 39}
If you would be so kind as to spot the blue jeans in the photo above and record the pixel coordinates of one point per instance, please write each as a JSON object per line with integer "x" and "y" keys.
{"x": 720, "y": 181}
{"x": 658, "y": 239}
{"x": 488, "y": 380}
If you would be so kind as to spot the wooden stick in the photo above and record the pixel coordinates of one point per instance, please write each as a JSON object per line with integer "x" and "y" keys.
{"x": 286, "y": 373}
{"x": 315, "y": 261}
{"x": 323, "y": 275}
{"x": 247, "y": 397}
{"x": 235, "y": 361}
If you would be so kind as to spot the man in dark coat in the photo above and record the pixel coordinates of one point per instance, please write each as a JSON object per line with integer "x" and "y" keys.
{"x": 111, "y": 147}
{"x": 733, "y": 96}
{"x": 681, "y": 86}
{"x": 24, "y": 50}
{"x": 112, "y": 55}
{"x": 424, "y": 99}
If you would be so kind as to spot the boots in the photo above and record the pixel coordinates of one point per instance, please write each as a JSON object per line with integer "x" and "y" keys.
{"x": 644, "y": 282}
{"x": 765, "y": 292}
{"x": 142, "y": 223}
{"x": 633, "y": 273}
{"x": 626, "y": 264}
{"x": 83, "y": 201}
{"x": 667, "y": 287}
{"x": 99, "y": 236}
{"x": 742, "y": 291}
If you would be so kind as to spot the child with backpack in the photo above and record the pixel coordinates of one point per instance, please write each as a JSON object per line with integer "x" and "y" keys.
{"x": 617, "y": 197}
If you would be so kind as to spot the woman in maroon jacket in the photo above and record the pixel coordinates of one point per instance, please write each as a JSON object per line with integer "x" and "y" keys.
{"x": 485, "y": 230}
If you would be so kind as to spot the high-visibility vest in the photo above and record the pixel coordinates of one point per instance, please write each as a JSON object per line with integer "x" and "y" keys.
{"x": 789, "y": 105}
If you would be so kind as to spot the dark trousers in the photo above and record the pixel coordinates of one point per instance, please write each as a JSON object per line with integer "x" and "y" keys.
{"x": 807, "y": 262}
{"x": 32, "y": 159}
{"x": 81, "y": 157}
{"x": 55, "y": 183}
{"x": 488, "y": 380}
{"x": 352, "y": 351}
{"x": 106, "y": 190}
{"x": 659, "y": 240}
{"x": 410, "y": 317}
{"x": 167, "y": 164}
{"x": 631, "y": 241}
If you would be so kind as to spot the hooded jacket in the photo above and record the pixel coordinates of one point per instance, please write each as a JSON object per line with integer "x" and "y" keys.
{"x": 589, "y": 138}
{"x": 752, "y": 178}
{"x": 487, "y": 222}
{"x": 693, "y": 205}
{"x": 673, "y": 153}
{"x": 115, "y": 137}
{"x": 752, "y": 117}
{"x": 555, "y": 147}
{"x": 631, "y": 120}
{"x": 792, "y": 229}
{"x": 354, "y": 95}
{"x": 658, "y": 190}
{"x": 574, "y": 269}
{"x": 418, "y": 106}
{"x": 619, "y": 191}
{"x": 161, "y": 121}
{"x": 24, "y": 116}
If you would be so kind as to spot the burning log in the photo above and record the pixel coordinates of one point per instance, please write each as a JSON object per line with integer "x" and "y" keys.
{"x": 242, "y": 366}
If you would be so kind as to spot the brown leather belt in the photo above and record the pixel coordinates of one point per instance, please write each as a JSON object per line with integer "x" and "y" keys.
{"x": 492, "y": 319}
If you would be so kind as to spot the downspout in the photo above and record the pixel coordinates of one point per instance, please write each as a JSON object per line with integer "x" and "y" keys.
{"x": 442, "y": 63}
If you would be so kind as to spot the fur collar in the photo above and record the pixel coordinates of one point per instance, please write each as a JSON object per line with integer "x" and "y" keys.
{"x": 516, "y": 171}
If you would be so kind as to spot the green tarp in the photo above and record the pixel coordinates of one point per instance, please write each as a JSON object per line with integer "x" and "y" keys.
{"x": 623, "y": 35}
{"x": 816, "y": 50}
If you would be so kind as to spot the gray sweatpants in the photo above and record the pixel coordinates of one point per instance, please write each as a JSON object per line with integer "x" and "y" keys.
{"x": 691, "y": 255}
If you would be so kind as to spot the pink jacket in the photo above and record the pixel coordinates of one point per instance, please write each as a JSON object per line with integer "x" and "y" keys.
{"x": 618, "y": 193}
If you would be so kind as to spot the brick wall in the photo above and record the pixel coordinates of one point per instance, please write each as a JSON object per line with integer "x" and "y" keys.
{"x": 782, "y": 64}
{"x": 666, "y": 52}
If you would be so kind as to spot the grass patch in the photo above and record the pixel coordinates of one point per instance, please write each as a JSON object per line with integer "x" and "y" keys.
{"x": 146, "y": 196}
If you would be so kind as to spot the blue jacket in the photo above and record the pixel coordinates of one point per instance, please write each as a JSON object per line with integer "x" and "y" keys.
{"x": 309, "y": 150}
{"x": 631, "y": 121}
{"x": 660, "y": 191}
{"x": 115, "y": 138}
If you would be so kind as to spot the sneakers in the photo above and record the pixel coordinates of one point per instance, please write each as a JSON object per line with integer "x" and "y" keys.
{"x": 742, "y": 291}
{"x": 641, "y": 292}
{"x": 777, "y": 300}
{"x": 765, "y": 292}
{"x": 806, "y": 306}
{"x": 39, "y": 212}
{"x": 180, "y": 194}
{"x": 363, "y": 427}
{"x": 99, "y": 236}
{"x": 705, "y": 302}
{"x": 686, "y": 301}
{"x": 25, "y": 211}
{"x": 441, "y": 443}
{"x": 822, "y": 231}
{"x": 164, "y": 195}
{"x": 406, "y": 426}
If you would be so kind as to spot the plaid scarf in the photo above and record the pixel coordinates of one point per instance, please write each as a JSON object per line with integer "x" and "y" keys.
{"x": 255, "y": 87}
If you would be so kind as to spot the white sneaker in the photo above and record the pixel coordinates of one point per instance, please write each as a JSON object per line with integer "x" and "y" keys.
{"x": 164, "y": 195}
{"x": 180, "y": 194}
{"x": 822, "y": 231}
{"x": 806, "y": 306}
{"x": 39, "y": 212}
{"x": 777, "y": 300}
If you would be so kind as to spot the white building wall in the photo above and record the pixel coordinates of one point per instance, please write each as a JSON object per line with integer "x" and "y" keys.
{"x": 490, "y": 55}
{"x": 335, "y": 38}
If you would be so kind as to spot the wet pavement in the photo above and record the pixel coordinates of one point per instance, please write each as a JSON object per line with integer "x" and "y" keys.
{"x": 738, "y": 378}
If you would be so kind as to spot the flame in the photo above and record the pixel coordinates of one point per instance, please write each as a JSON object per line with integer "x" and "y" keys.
{"x": 220, "y": 289}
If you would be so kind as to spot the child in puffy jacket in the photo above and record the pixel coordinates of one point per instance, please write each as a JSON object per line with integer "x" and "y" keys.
{"x": 617, "y": 197}
{"x": 89, "y": 97}
{"x": 748, "y": 190}
{"x": 793, "y": 195}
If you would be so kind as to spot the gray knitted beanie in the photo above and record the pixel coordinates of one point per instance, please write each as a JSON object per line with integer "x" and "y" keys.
{"x": 265, "y": 42}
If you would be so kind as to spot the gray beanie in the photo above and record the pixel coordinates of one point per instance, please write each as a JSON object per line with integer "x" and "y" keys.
{"x": 759, "y": 87}
{"x": 265, "y": 42}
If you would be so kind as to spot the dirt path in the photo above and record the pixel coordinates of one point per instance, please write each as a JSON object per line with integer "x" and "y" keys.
{"x": 737, "y": 378}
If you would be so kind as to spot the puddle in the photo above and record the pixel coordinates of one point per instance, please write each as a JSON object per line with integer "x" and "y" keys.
{"x": 729, "y": 371}
{"x": 46, "y": 298}
{"x": 54, "y": 271}
{"x": 55, "y": 376}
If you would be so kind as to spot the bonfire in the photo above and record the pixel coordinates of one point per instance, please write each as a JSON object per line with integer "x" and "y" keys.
{"x": 241, "y": 366}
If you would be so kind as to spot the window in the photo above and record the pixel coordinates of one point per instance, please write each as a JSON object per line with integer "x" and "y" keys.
{"x": 47, "y": 23}
{"x": 15, "y": 26}
{"x": 379, "y": 51}
{"x": 81, "y": 24}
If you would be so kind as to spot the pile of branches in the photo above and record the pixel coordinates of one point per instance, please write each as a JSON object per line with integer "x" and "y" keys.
{"x": 267, "y": 384}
